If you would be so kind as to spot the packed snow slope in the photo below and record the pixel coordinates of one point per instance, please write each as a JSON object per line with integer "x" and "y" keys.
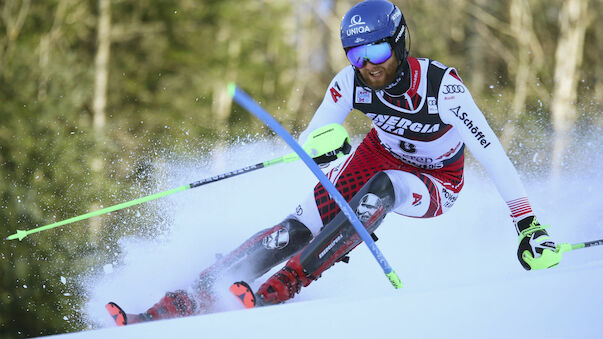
{"x": 460, "y": 272}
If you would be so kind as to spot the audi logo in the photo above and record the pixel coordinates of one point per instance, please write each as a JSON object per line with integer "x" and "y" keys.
{"x": 449, "y": 89}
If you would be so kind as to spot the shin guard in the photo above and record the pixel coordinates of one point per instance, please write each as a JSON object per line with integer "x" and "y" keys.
{"x": 250, "y": 260}
{"x": 336, "y": 239}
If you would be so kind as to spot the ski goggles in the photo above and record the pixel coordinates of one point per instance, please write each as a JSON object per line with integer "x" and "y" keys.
{"x": 374, "y": 53}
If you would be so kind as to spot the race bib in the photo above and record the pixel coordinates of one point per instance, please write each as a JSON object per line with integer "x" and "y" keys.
{"x": 363, "y": 96}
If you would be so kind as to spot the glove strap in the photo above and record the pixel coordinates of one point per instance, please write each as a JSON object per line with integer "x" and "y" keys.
{"x": 333, "y": 155}
{"x": 534, "y": 227}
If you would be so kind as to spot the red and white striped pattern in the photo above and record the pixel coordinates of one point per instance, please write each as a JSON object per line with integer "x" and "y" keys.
{"x": 520, "y": 208}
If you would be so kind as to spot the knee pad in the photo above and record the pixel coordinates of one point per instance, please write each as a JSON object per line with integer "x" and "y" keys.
{"x": 375, "y": 199}
{"x": 288, "y": 237}
{"x": 266, "y": 249}
{"x": 372, "y": 202}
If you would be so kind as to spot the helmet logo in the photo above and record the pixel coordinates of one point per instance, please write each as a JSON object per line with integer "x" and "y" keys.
{"x": 356, "y": 20}
{"x": 400, "y": 33}
{"x": 396, "y": 14}
{"x": 357, "y": 26}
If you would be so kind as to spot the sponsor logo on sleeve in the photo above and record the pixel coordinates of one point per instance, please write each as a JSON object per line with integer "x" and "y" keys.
{"x": 471, "y": 126}
{"x": 335, "y": 92}
{"x": 451, "y": 89}
{"x": 449, "y": 198}
{"x": 417, "y": 198}
{"x": 363, "y": 96}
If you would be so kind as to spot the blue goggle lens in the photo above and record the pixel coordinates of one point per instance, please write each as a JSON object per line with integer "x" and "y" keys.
{"x": 374, "y": 53}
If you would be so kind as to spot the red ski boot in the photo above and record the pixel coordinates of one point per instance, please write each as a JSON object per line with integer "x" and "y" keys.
{"x": 122, "y": 318}
{"x": 284, "y": 284}
{"x": 172, "y": 305}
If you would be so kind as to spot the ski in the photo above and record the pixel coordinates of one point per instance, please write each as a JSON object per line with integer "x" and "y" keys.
{"x": 241, "y": 290}
{"x": 244, "y": 294}
{"x": 122, "y": 318}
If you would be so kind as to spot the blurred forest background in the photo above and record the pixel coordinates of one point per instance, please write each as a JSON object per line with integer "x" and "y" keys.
{"x": 94, "y": 92}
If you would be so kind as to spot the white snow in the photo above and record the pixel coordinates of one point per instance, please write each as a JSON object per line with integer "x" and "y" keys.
{"x": 108, "y": 269}
{"x": 460, "y": 272}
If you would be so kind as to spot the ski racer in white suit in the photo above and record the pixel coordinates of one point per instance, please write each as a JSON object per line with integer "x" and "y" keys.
{"x": 410, "y": 163}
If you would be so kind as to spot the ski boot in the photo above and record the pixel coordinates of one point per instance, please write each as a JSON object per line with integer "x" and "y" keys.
{"x": 172, "y": 305}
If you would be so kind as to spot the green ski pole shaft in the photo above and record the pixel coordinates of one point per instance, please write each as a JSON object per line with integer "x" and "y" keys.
{"x": 321, "y": 142}
{"x": 570, "y": 247}
{"x": 287, "y": 158}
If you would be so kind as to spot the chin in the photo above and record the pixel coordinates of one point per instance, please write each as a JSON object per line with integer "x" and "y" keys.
{"x": 376, "y": 85}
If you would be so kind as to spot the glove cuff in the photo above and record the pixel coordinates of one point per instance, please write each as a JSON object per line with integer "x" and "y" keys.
{"x": 527, "y": 226}
{"x": 333, "y": 155}
{"x": 524, "y": 223}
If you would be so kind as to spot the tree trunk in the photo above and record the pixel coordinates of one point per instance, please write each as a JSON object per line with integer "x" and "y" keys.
{"x": 99, "y": 104}
{"x": 522, "y": 29}
{"x": 101, "y": 64}
{"x": 13, "y": 21}
{"x": 568, "y": 58}
{"x": 308, "y": 41}
{"x": 47, "y": 43}
{"x": 222, "y": 101}
{"x": 477, "y": 54}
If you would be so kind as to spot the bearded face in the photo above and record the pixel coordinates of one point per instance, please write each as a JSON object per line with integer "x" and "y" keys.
{"x": 369, "y": 204}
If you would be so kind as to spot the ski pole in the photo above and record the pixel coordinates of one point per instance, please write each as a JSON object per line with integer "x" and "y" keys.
{"x": 324, "y": 140}
{"x": 565, "y": 247}
{"x": 249, "y": 104}
{"x": 22, "y": 234}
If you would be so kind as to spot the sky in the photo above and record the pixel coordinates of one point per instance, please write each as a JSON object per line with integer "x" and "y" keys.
{"x": 460, "y": 272}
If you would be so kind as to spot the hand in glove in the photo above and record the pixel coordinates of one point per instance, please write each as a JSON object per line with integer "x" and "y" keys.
{"x": 326, "y": 158}
{"x": 536, "y": 249}
{"x": 328, "y": 143}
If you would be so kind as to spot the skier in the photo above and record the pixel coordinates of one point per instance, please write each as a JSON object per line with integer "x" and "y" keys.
{"x": 410, "y": 163}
